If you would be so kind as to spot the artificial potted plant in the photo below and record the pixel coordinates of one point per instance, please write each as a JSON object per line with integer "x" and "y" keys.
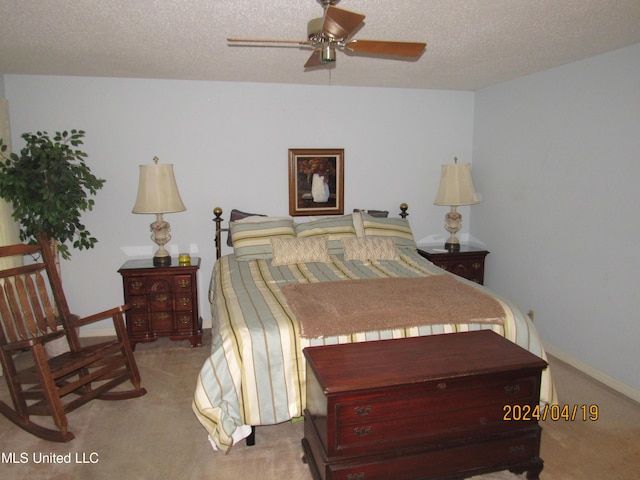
{"x": 49, "y": 185}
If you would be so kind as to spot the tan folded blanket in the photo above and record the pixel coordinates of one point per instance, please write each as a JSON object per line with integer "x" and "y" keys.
{"x": 353, "y": 306}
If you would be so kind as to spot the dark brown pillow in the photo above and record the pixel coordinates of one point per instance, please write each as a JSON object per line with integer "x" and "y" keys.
{"x": 374, "y": 213}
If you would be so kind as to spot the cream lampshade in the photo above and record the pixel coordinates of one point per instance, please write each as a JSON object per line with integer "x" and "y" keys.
{"x": 158, "y": 194}
{"x": 456, "y": 188}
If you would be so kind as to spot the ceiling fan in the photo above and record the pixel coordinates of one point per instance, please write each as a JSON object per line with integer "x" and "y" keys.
{"x": 333, "y": 32}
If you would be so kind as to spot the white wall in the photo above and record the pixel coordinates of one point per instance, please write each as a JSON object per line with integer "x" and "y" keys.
{"x": 557, "y": 156}
{"x": 228, "y": 143}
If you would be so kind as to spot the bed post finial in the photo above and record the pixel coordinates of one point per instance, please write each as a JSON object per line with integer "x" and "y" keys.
{"x": 403, "y": 210}
{"x": 218, "y": 219}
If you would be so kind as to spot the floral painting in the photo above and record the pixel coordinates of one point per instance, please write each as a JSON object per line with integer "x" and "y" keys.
{"x": 316, "y": 181}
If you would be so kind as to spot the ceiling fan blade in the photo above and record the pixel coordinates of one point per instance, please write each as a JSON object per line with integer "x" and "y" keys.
{"x": 340, "y": 23}
{"x": 303, "y": 43}
{"x": 401, "y": 49}
{"x": 314, "y": 60}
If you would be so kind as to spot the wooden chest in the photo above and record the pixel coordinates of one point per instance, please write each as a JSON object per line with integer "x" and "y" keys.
{"x": 421, "y": 408}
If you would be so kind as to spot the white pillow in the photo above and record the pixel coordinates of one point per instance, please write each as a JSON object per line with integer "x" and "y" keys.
{"x": 288, "y": 251}
{"x": 369, "y": 249}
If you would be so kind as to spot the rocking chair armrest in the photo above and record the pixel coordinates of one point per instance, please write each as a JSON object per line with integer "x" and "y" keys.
{"x": 111, "y": 313}
{"x": 30, "y": 342}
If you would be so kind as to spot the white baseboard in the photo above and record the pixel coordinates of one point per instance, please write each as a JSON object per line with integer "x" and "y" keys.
{"x": 111, "y": 332}
{"x": 594, "y": 373}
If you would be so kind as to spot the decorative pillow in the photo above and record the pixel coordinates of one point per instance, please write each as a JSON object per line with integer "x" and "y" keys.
{"x": 369, "y": 249}
{"x": 252, "y": 240}
{"x": 334, "y": 228}
{"x": 239, "y": 215}
{"x": 396, "y": 228}
{"x": 287, "y": 251}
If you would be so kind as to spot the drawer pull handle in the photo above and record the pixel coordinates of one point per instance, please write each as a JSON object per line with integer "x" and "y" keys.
{"x": 185, "y": 301}
{"x": 362, "y": 431}
{"x": 442, "y": 386}
{"x": 138, "y": 323}
{"x": 355, "y": 476}
{"x": 362, "y": 411}
{"x": 138, "y": 304}
{"x": 136, "y": 285}
{"x": 186, "y": 319}
{"x": 515, "y": 449}
{"x": 183, "y": 283}
{"x": 511, "y": 389}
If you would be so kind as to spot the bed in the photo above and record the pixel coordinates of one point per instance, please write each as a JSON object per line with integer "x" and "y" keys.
{"x": 263, "y": 312}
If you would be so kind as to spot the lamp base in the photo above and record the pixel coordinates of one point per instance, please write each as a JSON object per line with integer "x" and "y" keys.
{"x": 452, "y": 247}
{"x": 162, "y": 261}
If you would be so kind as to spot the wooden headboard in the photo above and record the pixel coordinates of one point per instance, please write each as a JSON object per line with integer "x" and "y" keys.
{"x": 217, "y": 218}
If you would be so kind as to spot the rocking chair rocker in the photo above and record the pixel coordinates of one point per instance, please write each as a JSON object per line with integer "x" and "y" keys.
{"x": 34, "y": 312}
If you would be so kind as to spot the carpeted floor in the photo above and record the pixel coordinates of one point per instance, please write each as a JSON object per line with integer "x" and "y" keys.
{"x": 158, "y": 437}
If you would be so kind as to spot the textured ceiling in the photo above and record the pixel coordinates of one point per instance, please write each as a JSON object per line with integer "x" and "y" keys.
{"x": 470, "y": 43}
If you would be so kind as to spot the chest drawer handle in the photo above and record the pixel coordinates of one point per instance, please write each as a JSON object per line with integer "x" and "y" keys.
{"x": 136, "y": 285}
{"x": 183, "y": 283}
{"x": 362, "y": 431}
{"x": 442, "y": 386}
{"x": 355, "y": 476}
{"x": 511, "y": 389}
{"x": 362, "y": 411}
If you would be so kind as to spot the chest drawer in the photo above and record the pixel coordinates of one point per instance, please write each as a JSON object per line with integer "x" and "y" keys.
{"x": 436, "y": 397}
{"x": 437, "y": 411}
{"x": 474, "y": 457}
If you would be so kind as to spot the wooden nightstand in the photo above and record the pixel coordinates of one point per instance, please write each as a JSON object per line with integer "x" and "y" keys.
{"x": 467, "y": 263}
{"x": 163, "y": 301}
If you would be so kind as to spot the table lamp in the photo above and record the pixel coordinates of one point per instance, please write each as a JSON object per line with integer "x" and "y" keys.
{"x": 456, "y": 188}
{"x": 158, "y": 194}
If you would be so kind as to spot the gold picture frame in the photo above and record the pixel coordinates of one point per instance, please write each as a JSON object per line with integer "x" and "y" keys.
{"x": 316, "y": 181}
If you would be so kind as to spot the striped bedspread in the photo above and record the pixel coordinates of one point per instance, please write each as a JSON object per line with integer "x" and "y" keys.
{"x": 256, "y": 372}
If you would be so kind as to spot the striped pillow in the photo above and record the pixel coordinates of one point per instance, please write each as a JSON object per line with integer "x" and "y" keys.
{"x": 396, "y": 228}
{"x": 334, "y": 228}
{"x": 288, "y": 251}
{"x": 252, "y": 240}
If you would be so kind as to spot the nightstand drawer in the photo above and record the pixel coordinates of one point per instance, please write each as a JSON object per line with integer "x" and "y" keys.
{"x": 162, "y": 321}
{"x": 135, "y": 286}
{"x": 183, "y": 301}
{"x": 467, "y": 263}
{"x": 184, "y": 320}
{"x": 138, "y": 304}
{"x": 182, "y": 283}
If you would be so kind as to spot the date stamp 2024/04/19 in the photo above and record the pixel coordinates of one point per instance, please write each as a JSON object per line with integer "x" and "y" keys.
{"x": 568, "y": 413}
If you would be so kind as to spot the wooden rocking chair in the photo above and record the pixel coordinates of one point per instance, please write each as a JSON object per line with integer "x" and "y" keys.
{"x": 34, "y": 312}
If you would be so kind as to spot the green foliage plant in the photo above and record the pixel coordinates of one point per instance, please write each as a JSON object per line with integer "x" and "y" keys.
{"x": 49, "y": 186}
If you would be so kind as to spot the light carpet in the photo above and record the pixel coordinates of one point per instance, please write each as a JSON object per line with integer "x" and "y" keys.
{"x": 158, "y": 437}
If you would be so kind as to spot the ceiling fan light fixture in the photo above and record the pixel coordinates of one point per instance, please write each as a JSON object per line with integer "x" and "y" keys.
{"x": 328, "y": 53}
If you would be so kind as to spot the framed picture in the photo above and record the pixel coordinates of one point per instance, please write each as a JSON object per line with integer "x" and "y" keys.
{"x": 316, "y": 181}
